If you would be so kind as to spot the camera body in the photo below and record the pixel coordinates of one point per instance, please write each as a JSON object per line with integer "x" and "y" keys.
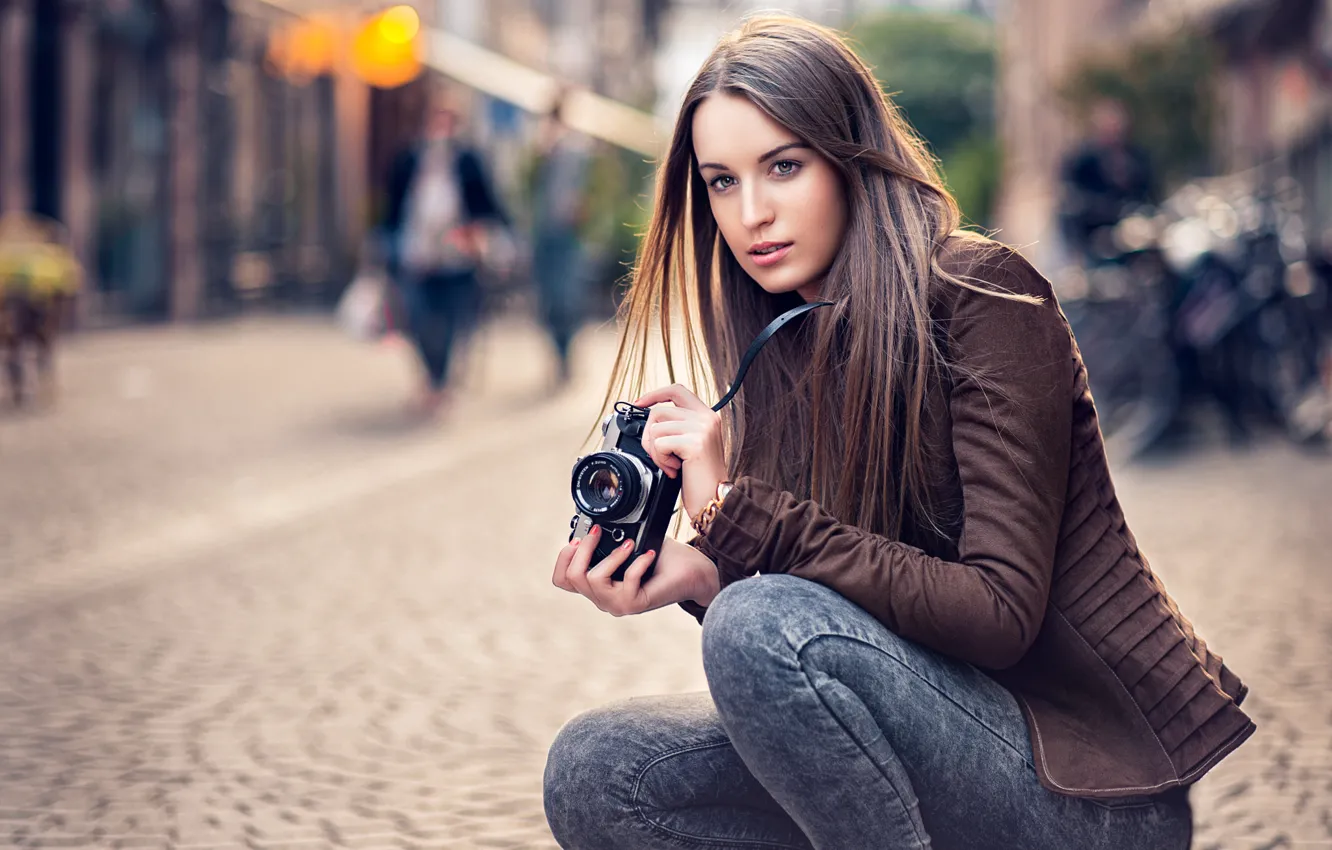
{"x": 619, "y": 488}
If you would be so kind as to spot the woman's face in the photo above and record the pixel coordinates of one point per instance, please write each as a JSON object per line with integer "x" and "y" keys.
{"x": 780, "y": 206}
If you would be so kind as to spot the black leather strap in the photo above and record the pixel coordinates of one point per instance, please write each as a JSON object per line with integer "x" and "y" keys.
{"x": 758, "y": 343}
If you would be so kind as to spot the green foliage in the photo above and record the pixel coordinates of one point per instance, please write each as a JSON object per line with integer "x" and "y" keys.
{"x": 940, "y": 70}
{"x": 1167, "y": 86}
{"x": 972, "y": 170}
{"x": 617, "y": 213}
{"x": 617, "y": 203}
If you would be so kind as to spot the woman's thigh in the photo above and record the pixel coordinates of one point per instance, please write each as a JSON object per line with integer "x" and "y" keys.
{"x": 658, "y": 772}
{"x": 959, "y": 735}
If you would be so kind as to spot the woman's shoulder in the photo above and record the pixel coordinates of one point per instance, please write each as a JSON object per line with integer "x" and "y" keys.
{"x": 979, "y": 261}
{"x": 989, "y": 299}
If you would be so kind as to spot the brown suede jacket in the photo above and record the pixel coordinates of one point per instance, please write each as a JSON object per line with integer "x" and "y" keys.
{"x": 1041, "y": 584}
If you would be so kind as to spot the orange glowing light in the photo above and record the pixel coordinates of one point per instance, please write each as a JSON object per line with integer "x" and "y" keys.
{"x": 305, "y": 49}
{"x": 399, "y": 24}
{"x": 385, "y": 51}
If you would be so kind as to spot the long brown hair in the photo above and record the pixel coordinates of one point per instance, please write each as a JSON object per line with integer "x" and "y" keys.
{"x": 833, "y": 409}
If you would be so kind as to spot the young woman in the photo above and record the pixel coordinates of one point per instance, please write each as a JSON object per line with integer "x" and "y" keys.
{"x": 925, "y": 623}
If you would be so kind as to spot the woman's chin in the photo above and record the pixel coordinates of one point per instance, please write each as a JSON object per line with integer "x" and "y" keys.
{"x": 779, "y": 284}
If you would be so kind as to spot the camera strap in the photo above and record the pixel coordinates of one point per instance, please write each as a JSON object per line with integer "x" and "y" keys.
{"x": 758, "y": 343}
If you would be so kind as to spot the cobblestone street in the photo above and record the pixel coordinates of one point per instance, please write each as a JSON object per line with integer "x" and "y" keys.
{"x": 244, "y": 603}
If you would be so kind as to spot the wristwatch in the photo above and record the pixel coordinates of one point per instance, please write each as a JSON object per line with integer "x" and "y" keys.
{"x": 704, "y": 519}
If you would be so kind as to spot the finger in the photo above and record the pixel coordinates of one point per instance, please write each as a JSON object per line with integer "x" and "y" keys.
{"x": 605, "y": 592}
{"x": 633, "y": 576}
{"x": 665, "y": 461}
{"x": 576, "y": 573}
{"x": 676, "y": 394}
{"x": 683, "y": 446}
{"x": 672, "y": 427}
{"x": 662, "y": 456}
{"x": 599, "y": 577}
{"x": 627, "y": 596}
{"x": 562, "y": 566}
{"x": 664, "y": 413}
{"x": 667, "y": 412}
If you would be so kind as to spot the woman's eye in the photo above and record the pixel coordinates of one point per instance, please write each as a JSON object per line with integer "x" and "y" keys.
{"x": 721, "y": 182}
{"x": 785, "y": 167}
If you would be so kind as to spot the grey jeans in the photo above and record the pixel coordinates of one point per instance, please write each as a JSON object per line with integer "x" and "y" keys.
{"x": 823, "y": 729}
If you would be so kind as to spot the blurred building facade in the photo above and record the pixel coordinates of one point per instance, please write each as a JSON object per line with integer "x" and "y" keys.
{"x": 1274, "y": 93}
{"x": 1040, "y": 42}
{"x": 600, "y": 46}
{"x": 192, "y": 174}
{"x": 1277, "y": 90}
{"x": 184, "y": 171}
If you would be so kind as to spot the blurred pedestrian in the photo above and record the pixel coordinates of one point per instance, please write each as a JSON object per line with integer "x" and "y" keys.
{"x": 1104, "y": 178}
{"x": 559, "y": 207}
{"x": 39, "y": 279}
{"x": 440, "y": 199}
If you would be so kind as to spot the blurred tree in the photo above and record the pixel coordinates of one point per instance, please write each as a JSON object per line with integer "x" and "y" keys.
{"x": 940, "y": 70}
{"x": 624, "y": 222}
{"x": 1167, "y": 85}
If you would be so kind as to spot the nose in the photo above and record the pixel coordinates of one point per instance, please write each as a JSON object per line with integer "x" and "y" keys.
{"x": 756, "y": 209}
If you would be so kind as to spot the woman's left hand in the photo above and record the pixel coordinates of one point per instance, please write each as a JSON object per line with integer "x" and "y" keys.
{"x": 685, "y": 438}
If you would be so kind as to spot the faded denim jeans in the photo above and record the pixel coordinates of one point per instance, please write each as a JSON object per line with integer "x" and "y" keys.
{"x": 822, "y": 729}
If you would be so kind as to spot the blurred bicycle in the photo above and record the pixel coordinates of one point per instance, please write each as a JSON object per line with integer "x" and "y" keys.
{"x": 1118, "y": 302}
{"x": 1211, "y": 297}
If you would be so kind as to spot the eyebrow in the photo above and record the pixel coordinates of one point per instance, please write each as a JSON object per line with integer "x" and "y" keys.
{"x": 767, "y": 156}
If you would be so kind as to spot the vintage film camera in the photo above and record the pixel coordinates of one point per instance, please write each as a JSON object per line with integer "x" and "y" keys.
{"x": 619, "y": 488}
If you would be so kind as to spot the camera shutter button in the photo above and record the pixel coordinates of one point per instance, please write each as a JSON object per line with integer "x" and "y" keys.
{"x": 617, "y": 534}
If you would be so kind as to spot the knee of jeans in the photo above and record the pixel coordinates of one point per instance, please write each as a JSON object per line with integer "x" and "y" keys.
{"x": 580, "y": 808}
{"x": 745, "y": 638}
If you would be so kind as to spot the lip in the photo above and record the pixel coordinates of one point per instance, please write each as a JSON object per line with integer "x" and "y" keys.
{"x": 769, "y": 259}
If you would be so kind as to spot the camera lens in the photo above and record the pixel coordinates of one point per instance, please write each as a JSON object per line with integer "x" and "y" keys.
{"x": 607, "y": 486}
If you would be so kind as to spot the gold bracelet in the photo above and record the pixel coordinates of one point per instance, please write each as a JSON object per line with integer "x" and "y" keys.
{"x": 704, "y": 518}
{"x": 703, "y": 521}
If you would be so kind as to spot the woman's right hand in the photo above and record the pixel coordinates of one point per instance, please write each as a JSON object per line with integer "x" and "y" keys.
{"x": 682, "y": 573}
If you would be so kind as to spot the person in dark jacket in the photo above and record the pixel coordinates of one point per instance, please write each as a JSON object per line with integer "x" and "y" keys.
{"x": 925, "y": 621}
{"x": 1103, "y": 180}
{"x": 440, "y": 200}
